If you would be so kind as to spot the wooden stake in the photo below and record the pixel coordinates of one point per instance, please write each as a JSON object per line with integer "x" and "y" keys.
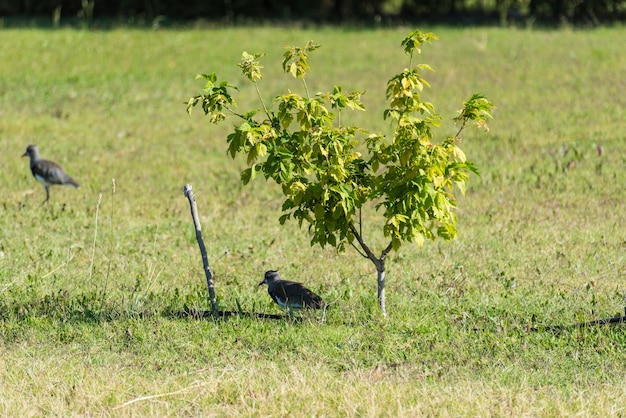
{"x": 187, "y": 190}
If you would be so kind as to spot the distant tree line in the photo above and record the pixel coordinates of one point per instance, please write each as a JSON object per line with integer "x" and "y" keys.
{"x": 586, "y": 11}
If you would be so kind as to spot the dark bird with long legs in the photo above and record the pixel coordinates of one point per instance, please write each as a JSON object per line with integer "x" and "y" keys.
{"x": 290, "y": 295}
{"x": 48, "y": 173}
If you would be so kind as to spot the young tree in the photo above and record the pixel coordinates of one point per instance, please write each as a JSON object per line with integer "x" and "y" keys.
{"x": 301, "y": 143}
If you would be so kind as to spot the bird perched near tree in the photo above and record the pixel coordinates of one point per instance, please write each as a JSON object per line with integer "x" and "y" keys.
{"x": 290, "y": 295}
{"x": 47, "y": 172}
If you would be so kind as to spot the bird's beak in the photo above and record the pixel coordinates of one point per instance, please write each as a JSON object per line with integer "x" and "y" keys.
{"x": 261, "y": 283}
{"x": 25, "y": 154}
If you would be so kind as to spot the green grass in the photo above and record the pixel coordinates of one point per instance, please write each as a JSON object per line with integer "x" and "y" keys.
{"x": 96, "y": 329}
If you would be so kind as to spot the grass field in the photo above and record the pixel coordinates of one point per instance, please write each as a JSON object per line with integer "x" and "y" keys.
{"x": 93, "y": 284}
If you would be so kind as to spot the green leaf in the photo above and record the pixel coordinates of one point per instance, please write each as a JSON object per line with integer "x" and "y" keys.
{"x": 295, "y": 59}
{"x": 192, "y": 102}
{"x": 419, "y": 239}
{"x": 477, "y": 108}
{"x": 207, "y": 77}
{"x": 250, "y": 66}
{"x": 332, "y": 240}
{"x": 415, "y": 39}
{"x": 246, "y": 175}
{"x": 461, "y": 186}
{"x": 446, "y": 231}
{"x": 249, "y": 115}
{"x": 319, "y": 212}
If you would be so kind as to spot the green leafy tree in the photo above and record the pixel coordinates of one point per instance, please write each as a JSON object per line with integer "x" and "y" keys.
{"x": 301, "y": 143}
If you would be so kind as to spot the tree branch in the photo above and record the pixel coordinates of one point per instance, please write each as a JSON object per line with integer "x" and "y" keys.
{"x": 386, "y": 251}
{"x": 258, "y": 92}
{"x": 359, "y": 236}
{"x": 360, "y": 222}
{"x": 306, "y": 89}
{"x": 358, "y": 250}
{"x": 239, "y": 115}
{"x": 461, "y": 128}
{"x": 367, "y": 250}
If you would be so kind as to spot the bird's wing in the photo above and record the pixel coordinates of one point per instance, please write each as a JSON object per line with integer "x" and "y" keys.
{"x": 299, "y": 295}
{"x": 51, "y": 173}
{"x": 312, "y": 300}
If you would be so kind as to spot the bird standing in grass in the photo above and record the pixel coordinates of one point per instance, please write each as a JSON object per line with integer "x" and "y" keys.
{"x": 47, "y": 172}
{"x": 290, "y": 295}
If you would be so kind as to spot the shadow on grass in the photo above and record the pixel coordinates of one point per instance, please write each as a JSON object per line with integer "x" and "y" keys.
{"x": 95, "y": 315}
{"x": 606, "y": 321}
{"x": 563, "y": 327}
{"x": 93, "y": 307}
{"x": 204, "y": 314}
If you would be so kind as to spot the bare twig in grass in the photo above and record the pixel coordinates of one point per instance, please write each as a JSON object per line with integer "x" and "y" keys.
{"x": 326, "y": 306}
{"x": 11, "y": 283}
{"x": 69, "y": 258}
{"x": 160, "y": 395}
{"x": 187, "y": 190}
{"x": 95, "y": 237}
{"x": 106, "y": 278}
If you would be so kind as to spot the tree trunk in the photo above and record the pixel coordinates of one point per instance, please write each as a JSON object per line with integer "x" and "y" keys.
{"x": 380, "y": 269}
{"x": 379, "y": 262}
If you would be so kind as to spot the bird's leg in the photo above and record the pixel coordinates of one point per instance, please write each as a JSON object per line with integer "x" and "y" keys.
{"x": 47, "y": 196}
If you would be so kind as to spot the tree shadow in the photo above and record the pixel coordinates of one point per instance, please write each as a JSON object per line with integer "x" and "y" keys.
{"x": 595, "y": 322}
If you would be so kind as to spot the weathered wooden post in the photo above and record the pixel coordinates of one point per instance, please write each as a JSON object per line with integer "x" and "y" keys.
{"x": 187, "y": 190}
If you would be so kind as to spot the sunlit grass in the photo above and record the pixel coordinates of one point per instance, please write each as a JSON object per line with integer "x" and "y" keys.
{"x": 98, "y": 326}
